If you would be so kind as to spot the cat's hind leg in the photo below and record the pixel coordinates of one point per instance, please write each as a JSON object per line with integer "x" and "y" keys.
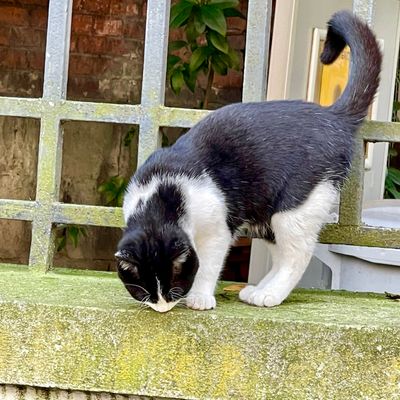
{"x": 296, "y": 232}
{"x": 246, "y": 292}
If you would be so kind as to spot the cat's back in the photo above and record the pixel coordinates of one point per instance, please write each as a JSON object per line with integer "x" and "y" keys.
{"x": 270, "y": 121}
{"x": 264, "y": 133}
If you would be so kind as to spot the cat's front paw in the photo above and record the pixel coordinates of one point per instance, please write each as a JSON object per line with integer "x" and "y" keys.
{"x": 200, "y": 301}
{"x": 259, "y": 297}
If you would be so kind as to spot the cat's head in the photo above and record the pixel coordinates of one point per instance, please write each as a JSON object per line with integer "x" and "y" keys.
{"x": 157, "y": 266}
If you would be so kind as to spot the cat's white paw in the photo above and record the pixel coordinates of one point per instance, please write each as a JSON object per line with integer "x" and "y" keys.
{"x": 246, "y": 292}
{"x": 259, "y": 297}
{"x": 200, "y": 301}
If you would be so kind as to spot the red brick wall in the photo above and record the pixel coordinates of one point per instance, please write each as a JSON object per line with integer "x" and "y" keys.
{"x": 22, "y": 43}
{"x": 107, "y": 50}
{"x": 106, "y": 53}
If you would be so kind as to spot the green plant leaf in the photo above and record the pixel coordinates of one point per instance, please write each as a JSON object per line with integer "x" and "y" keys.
{"x": 232, "y": 12}
{"x": 73, "y": 234}
{"x": 191, "y": 33}
{"x": 120, "y": 199}
{"x": 177, "y": 81}
{"x": 219, "y": 41}
{"x": 83, "y": 231}
{"x": 61, "y": 242}
{"x": 180, "y": 13}
{"x": 218, "y": 65}
{"x": 190, "y": 77}
{"x": 224, "y": 3}
{"x": 199, "y": 25}
{"x": 129, "y": 136}
{"x": 172, "y": 60}
{"x": 198, "y": 57}
{"x": 214, "y": 18}
{"x": 395, "y": 193}
{"x": 176, "y": 45}
{"x": 232, "y": 59}
{"x": 396, "y": 105}
{"x": 394, "y": 175}
{"x": 390, "y": 188}
{"x": 112, "y": 190}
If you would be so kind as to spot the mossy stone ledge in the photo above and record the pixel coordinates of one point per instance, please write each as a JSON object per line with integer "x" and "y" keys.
{"x": 81, "y": 331}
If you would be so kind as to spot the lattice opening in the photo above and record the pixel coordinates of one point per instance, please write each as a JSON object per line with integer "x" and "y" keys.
{"x": 23, "y": 41}
{"x": 98, "y": 161}
{"x": 106, "y": 52}
{"x": 19, "y": 139}
{"x": 86, "y": 247}
{"x": 15, "y": 241}
{"x": 210, "y": 92}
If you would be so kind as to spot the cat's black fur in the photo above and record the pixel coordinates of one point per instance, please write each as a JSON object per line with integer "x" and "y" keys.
{"x": 152, "y": 243}
{"x": 265, "y": 157}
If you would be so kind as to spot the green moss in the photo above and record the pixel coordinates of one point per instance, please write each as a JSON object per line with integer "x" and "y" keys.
{"x": 80, "y": 330}
{"x": 360, "y": 236}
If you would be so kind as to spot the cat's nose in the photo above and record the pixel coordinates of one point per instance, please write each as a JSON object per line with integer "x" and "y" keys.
{"x": 162, "y": 306}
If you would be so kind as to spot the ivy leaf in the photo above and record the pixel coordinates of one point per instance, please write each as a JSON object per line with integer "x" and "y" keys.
{"x": 180, "y": 13}
{"x": 219, "y": 42}
{"x": 214, "y": 18}
{"x": 198, "y": 57}
{"x": 177, "y": 81}
{"x": 224, "y": 3}
{"x": 232, "y": 12}
{"x": 176, "y": 45}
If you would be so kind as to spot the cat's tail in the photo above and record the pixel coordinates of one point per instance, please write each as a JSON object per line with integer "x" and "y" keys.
{"x": 366, "y": 59}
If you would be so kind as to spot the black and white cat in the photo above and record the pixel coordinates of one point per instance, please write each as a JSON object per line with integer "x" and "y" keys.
{"x": 273, "y": 167}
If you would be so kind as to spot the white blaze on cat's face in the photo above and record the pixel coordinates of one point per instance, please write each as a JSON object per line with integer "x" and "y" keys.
{"x": 162, "y": 305}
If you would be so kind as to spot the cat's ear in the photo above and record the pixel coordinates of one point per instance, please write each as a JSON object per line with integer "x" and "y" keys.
{"x": 125, "y": 262}
{"x": 122, "y": 255}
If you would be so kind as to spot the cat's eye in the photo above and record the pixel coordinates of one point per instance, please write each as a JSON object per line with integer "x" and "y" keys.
{"x": 178, "y": 263}
{"x": 176, "y": 267}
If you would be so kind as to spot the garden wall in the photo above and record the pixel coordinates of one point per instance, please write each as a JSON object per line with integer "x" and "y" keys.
{"x": 106, "y": 57}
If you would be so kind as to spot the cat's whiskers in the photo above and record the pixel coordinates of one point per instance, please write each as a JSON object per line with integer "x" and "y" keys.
{"x": 176, "y": 293}
{"x": 181, "y": 304}
{"x": 142, "y": 304}
{"x": 138, "y": 286}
